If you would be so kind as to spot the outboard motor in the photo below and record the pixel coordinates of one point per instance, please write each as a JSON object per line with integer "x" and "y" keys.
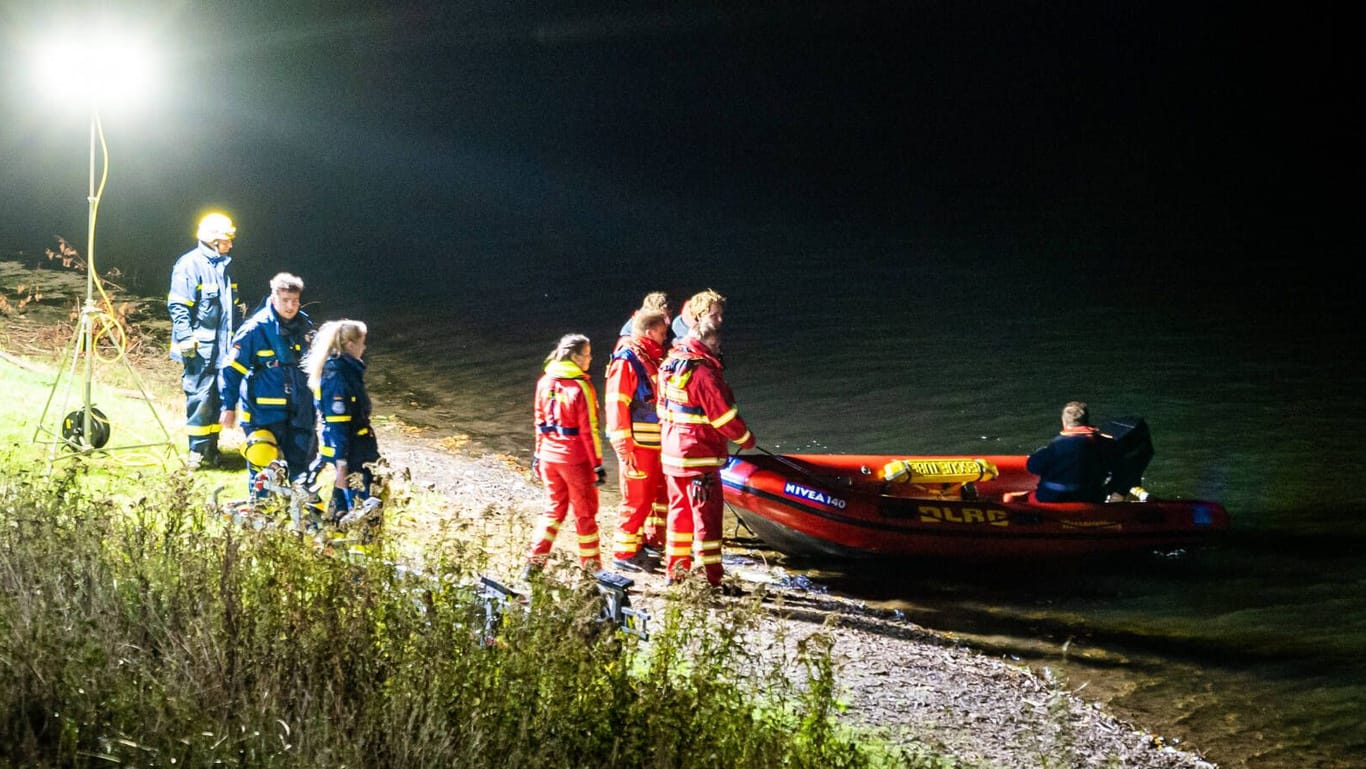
{"x": 1133, "y": 450}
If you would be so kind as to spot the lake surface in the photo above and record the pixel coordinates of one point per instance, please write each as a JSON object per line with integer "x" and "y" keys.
{"x": 1253, "y": 652}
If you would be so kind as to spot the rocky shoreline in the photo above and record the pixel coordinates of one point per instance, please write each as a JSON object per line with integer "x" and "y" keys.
{"x": 916, "y": 686}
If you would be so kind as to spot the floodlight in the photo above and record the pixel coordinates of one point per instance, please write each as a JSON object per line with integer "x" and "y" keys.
{"x": 107, "y": 67}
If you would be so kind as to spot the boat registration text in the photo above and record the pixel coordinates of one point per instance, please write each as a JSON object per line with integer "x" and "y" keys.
{"x": 937, "y": 514}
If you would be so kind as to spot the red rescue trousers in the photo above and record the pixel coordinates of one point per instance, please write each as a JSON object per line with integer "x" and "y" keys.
{"x": 644, "y": 503}
{"x": 568, "y": 486}
{"x": 695, "y": 508}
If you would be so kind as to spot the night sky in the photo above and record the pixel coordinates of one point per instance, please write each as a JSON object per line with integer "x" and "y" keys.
{"x": 383, "y": 130}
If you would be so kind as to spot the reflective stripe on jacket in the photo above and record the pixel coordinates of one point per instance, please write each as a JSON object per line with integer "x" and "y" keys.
{"x": 632, "y": 412}
{"x": 200, "y": 304}
{"x": 697, "y": 411}
{"x": 566, "y": 416}
{"x": 262, "y": 371}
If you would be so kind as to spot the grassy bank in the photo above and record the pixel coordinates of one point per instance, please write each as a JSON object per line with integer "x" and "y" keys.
{"x": 148, "y": 633}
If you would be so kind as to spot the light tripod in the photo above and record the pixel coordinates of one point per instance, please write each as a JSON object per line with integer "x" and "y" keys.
{"x": 87, "y": 430}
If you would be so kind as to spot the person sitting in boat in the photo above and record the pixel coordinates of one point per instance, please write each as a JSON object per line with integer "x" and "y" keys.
{"x": 1075, "y": 465}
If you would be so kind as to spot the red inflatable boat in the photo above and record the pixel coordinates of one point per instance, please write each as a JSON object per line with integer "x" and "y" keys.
{"x": 868, "y": 506}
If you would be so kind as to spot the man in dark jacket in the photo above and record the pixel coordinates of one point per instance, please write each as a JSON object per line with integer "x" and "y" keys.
{"x": 265, "y": 377}
{"x": 1075, "y": 465}
{"x": 201, "y": 306}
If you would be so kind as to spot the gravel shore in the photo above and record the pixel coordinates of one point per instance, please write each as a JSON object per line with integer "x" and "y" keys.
{"x": 914, "y": 685}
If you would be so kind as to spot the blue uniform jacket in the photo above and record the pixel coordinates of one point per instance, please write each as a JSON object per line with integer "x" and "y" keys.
{"x": 200, "y": 303}
{"x": 263, "y": 371}
{"x": 1073, "y": 467}
{"x": 345, "y": 408}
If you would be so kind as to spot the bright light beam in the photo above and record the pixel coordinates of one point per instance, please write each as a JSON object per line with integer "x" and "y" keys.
{"x": 109, "y": 68}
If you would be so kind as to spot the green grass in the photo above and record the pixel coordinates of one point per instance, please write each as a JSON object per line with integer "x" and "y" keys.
{"x": 38, "y": 401}
{"x": 21, "y": 387}
{"x": 151, "y": 633}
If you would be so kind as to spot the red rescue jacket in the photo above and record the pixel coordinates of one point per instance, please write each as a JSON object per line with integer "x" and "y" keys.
{"x": 567, "y": 416}
{"x": 632, "y": 408}
{"x": 697, "y": 411}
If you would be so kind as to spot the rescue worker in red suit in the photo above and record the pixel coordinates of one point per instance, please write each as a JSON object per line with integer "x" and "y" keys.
{"x": 633, "y": 430}
{"x": 568, "y": 455}
{"x": 698, "y": 416}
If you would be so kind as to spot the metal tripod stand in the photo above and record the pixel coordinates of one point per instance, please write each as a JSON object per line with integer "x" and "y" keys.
{"x": 87, "y": 430}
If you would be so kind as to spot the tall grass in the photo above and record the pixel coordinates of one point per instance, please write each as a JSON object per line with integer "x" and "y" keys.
{"x": 148, "y": 632}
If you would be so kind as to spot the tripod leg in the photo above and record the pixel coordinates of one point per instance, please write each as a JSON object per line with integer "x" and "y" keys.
{"x": 73, "y": 349}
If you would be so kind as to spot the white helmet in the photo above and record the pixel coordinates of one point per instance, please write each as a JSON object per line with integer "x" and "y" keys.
{"x": 216, "y": 227}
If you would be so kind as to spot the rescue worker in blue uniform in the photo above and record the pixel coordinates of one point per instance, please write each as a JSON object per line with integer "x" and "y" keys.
{"x": 201, "y": 306}
{"x": 1075, "y": 465}
{"x": 264, "y": 375}
{"x": 336, "y": 376}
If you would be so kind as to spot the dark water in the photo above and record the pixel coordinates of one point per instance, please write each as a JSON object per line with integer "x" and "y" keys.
{"x": 1253, "y": 652}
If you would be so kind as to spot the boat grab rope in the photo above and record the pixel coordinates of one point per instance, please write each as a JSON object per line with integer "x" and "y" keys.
{"x": 823, "y": 478}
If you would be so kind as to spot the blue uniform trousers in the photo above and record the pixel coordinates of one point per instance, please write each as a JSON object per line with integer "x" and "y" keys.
{"x": 199, "y": 380}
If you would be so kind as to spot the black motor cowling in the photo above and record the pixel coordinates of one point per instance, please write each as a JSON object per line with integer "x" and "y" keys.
{"x": 1132, "y": 451}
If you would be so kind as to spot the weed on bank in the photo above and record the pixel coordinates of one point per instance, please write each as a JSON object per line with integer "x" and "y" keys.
{"x": 149, "y": 632}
